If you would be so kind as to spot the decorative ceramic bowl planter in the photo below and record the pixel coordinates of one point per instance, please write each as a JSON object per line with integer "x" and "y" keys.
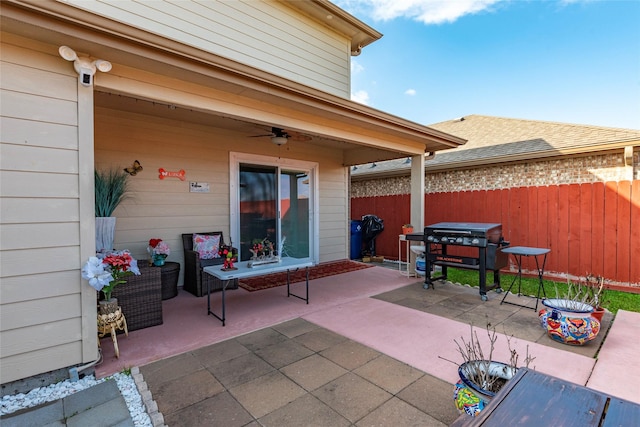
{"x": 568, "y": 321}
{"x": 471, "y": 398}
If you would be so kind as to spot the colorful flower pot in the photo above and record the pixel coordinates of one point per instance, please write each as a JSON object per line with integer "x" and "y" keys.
{"x": 568, "y": 322}
{"x": 471, "y": 398}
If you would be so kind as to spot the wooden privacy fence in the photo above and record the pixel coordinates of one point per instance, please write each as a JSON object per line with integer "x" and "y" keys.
{"x": 590, "y": 228}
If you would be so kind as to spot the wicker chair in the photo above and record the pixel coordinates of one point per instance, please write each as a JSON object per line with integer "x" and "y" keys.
{"x": 195, "y": 280}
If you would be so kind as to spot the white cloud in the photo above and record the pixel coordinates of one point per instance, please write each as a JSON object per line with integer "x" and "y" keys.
{"x": 360, "y": 96}
{"x": 410, "y": 92}
{"x": 356, "y": 67}
{"x": 427, "y": 11}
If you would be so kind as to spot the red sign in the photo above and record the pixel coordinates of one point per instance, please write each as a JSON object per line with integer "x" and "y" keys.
{"x": 168, "y": 174}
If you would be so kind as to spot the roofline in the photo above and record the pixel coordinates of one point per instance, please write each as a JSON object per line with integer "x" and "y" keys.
{"x": 523, "y": 157}
{"x": 517, "y": 158}
{"x": 329, "y": 14}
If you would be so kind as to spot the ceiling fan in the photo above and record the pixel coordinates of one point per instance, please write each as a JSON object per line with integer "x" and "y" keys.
{"x": 278, "y": 136}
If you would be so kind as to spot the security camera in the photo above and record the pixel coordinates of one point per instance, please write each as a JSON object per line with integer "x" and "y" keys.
{"x": 86, "y": 76}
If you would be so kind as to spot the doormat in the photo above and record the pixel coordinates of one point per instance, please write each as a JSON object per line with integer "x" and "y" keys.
{"x": 321, "y": 270}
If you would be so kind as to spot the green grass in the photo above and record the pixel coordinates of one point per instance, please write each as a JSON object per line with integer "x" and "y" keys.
{"x": 612, "y": 300}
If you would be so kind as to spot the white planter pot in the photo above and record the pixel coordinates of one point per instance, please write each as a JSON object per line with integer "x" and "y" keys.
{"x": 105, "y": 232}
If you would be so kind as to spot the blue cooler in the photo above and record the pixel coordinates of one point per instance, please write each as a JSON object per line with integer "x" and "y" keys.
{"x": 421, "y": 265}
{"x": 356, "y": 239}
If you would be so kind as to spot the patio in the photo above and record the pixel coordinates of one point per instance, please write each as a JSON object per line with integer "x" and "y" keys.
{"x": 372, "y": 337}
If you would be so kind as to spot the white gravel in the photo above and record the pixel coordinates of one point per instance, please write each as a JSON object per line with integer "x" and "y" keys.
{"x": 40, "y": 395}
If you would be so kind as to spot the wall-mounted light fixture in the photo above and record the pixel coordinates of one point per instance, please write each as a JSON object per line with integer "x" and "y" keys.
{"x": 84, "y": 66}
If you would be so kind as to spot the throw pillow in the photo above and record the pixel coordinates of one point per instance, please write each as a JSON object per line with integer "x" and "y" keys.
{"x": 207, "y": 246}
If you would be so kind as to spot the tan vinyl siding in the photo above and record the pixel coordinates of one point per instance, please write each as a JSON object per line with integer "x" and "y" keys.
{"x": 41, "y": 289}
{"x": 45, "y": 360}
{"x": 267, "y": 35}
{"x": 165, "y": 208}
{"x": 334, "y": 214}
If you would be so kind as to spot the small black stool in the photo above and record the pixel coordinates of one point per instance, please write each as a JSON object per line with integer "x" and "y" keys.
{"x": 169, "y": 279}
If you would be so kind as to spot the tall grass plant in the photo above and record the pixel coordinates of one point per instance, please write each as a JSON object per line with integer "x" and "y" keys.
{"x": 111, "y": 188}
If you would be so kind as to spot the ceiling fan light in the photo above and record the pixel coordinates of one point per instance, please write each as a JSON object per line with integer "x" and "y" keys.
{"x": 279, "y": 140}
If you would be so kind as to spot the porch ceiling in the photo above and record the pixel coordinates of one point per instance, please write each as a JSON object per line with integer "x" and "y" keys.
{"x": 352, "y": 152}
{"x": 238, "y": 97}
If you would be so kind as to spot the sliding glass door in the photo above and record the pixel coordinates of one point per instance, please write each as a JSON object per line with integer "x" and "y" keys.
{"x": 276, "y": 202}
{"x": 258, "y": 206}
{"x": 294, "y": 208}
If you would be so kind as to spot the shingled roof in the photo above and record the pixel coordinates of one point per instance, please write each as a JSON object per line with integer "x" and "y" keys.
{"x": 492, "y": 140}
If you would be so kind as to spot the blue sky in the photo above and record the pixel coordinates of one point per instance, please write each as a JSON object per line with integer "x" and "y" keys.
{"x": 572, "y": 61}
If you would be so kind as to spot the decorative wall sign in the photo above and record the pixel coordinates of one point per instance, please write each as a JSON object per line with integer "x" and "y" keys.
{"x": 168, "y": 174}
{"x": 134, "y": 169}
{"x": 198, "y": 187}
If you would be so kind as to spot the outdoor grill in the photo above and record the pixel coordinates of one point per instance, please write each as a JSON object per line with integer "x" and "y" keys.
{"x": 475, "y": 246}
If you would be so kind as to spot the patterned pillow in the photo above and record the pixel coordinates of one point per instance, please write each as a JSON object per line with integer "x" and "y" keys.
{"x": 207, "y": 246}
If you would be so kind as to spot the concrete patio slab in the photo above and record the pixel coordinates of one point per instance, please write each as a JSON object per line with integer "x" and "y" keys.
{"x": 388, "y": 328}
{"x": 616, "y": 371}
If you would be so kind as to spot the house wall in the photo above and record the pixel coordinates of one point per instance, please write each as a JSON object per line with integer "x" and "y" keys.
{"x": 165, "y": 208}
{"x": 41, "y": 294}
{"x": 45, "y": 306}
{"x": 581, "y": 208}
{"x": 268, "y": 35}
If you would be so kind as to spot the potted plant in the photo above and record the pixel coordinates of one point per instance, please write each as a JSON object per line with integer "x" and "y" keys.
{"x": 262, "y": 252}
{"x": 229, "y": 254}
{"x": 111, "y": 189}
{"x": 158, "y": 252}
{"x": 106, "y": 271}
{"x": 407, "y": 228}
{"x": 569, "y": 318}
{"x": 594, "y": 287}
{"x": 481, "y": 377}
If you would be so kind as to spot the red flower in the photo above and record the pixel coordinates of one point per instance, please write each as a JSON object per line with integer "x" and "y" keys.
{"x": 154, "y": 242}
{"x": 119, "y": 263}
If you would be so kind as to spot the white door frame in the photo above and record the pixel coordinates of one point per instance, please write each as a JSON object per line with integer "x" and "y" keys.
{"x": 236, "y": 158}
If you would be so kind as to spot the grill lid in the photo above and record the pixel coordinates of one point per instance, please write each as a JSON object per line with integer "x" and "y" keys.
{"x": 473, "y": 227}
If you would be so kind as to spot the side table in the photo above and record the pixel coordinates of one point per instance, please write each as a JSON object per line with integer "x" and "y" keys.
{"x": 401, "y": 264}
{"x": 141, "y": 298}
{"x": 169, "y": 273}
{"x": 518, "y": 252}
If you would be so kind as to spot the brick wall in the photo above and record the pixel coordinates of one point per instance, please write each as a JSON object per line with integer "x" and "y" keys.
{"x": 576, "y": 170}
